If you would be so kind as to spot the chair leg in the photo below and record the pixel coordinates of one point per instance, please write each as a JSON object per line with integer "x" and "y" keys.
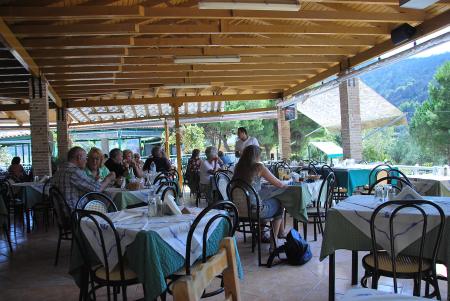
{"x": 259, "y": 243}
{"x": 315, "y": 228}
{"x": 305, "y": 231}
{"x": 57, "y": 248}
{"x": 8, "y": 238}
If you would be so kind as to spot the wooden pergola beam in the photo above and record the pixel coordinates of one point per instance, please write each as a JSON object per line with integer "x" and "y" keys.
{"x": 423, "y": 29}
{"x": 23, "y": 57}
{"x": 14, "y": 107}
{"x": 139, "y": 12}
{"x": 181, "y": 116}
{"x": 223, "y": 27}
{"x": 169, "y": 100}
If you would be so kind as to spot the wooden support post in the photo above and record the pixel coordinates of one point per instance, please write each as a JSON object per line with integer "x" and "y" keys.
{"x": 167, "y": 134}
{"x": 178, "y": 143}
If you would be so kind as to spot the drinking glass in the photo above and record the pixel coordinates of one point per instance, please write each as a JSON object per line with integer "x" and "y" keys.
{"x": 386, "y": 189}
{"x": 379, "y": 192}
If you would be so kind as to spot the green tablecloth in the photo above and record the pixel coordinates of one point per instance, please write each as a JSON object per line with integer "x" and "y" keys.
{"x": 431, "y": 185}
{"x": 30, "y": 193}
{"x": 352, "y": 178}
{"x": 123, "y": 199}
{"x": 341, "y": 234}
{"x": 296, "y": 199}
{"x": 152, "y": 259}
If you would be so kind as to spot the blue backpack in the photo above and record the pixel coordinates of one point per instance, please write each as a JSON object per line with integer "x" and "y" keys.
{"x": 297, "y": 249}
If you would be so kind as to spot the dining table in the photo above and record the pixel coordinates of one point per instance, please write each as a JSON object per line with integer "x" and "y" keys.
{"x": 153, "y": 247}
{"x": 123, "y": 198}
{"x": 431, "y": 185}
{"x": 347, "y": 228}
{"x": 31, "y": 194}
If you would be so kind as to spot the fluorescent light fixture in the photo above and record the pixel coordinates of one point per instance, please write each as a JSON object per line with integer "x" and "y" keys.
{"x": 416, "y": 4}
{"x": 249, "y": 6}
{"x": 187, "y": 86}
{"x": 207, "y": 59}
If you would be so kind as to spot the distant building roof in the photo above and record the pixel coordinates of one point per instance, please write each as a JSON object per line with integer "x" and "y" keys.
{"x": 330, "y": 149}
{"x": 376, "y": 111}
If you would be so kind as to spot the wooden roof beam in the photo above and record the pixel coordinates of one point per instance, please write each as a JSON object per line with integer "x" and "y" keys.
{"x": 22, "y": 55}
{"x": 169, "y": 100}
{"x": 138, "y": 12}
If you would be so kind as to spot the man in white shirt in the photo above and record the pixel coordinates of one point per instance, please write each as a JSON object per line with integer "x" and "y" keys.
{"x": 207, "y": 169}
{"x": 243, "y": 141}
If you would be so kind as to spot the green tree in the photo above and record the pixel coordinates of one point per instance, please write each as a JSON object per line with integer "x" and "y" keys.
{"x": 192, "y": 137}
{"x": 5, "y": 157}
{"x": 430, "y": 125}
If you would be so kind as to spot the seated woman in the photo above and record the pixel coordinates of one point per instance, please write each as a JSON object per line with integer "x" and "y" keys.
{"x": 250, "y": 169}
{"x": 16, "y": 171}
{"x": 161, "y": 162}
{"x": 129, "y": 162}
{"x": 207, "y": 169}
{"x": 193, "y": 169}
{"x": 94, "y": 165}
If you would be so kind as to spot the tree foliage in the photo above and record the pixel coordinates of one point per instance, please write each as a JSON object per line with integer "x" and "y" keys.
{"x": 192, "y": 136}
{"x": 430, "y": 124}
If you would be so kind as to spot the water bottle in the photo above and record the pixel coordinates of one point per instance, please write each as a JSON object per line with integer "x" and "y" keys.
{"x": 160, "y": 207}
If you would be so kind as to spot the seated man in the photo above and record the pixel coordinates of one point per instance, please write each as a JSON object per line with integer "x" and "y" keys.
{"x": 225, "y": 159}
{"x": 71, "y": 179}
{"x": 162, "y": 164}
{"x": 115, "y": 163}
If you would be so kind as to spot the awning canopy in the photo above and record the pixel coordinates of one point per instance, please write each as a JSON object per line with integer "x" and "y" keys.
{"x": 330, "y": 149}
{"x": 376, "y": 111}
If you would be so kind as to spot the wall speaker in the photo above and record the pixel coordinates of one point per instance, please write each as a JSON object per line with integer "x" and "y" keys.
{"x": 402, "y": 33}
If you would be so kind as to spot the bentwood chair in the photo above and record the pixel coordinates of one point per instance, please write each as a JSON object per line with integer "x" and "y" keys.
{"x": 96, "y": 201}
{"x": 248, "y": 202}
{"x": 15, "y": 205}
{"x": 417, "y": 267}
{"x": 229, "y": 213}
{"x": 339, "y": 193}
{"x": 120, "y": 276}
{"x": 318, "y": 211}
{"x": 222, "y": 179}
{"x": 396, "y": 182}
{"x": 378, "y": 172}
{"x": 191, "y": 288}
{"x": 4, "y": 216}
{"x": 63, "y": 218}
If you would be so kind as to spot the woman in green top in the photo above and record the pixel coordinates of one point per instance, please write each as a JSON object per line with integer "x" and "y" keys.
{"x": 94, "y": 167}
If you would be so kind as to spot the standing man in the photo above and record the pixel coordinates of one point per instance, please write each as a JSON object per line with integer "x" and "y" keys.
{"x": 243, "y": 141}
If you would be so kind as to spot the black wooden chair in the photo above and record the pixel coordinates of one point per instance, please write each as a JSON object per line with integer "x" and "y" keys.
{"x": 396, "y": 182}
{"x": 339, "y": 193}
{"x": 96, "y": 201}
{"x": 44, "y": 206}
{"x": 319, "y": 209}
{"x": 222, "y": 179}
{"x": 120, "y": 276}
{"x": 231, "y": 216}
{"x": 378, "y": 172}
{"x": 390, "y": 264}
{"x": 247, "y": 201}
{"x": 5, "y": 218}
{"x": 16, "y": 206}
{"x": 62, "y": 211}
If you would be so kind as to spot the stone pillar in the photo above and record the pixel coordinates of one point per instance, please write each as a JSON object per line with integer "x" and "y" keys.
{"x": 284, "y": 135}
{"x": 351, "y": 119}
{"x": 39, "y": 127}
{"x": 62, "y": 133}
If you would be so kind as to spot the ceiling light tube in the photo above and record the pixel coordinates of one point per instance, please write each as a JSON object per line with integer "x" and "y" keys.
{"x": 249, "y": 6}
{"x": 187, "y": 86}
{"x": 207, "y": 59}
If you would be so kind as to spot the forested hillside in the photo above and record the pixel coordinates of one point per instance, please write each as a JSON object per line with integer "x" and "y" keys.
{"x": 407, "y": 80}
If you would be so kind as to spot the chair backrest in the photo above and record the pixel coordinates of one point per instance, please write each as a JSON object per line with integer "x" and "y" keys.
{"x": 61, "y": 208}
{"x": 400, "y": 174}
{"x": 191, "y": 287}
{"x": 396, "y": 182}
{"x": 161, "y": 177}
{"x": 5, "y": 196}
{"x": 169, "y": 191}
{"x": 222, "y": 179}
{"x": 46, "y": 190}
{"x": 168, "y": 183}
{"x": 398, "y": 206}
{"x": 312, "y": 169}
{"x": 244, "y": 196}
{"x": 96, "y": 201}
{"x": 231, "y": 217}
{"x": 280, "y": 165}
{"x": 326, "y": 192}
{"x": 98, "y": 222}
{"x": 379, "y": 171}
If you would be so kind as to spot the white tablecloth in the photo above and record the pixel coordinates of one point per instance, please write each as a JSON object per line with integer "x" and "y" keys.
{"x": 128, "y": 223}
{"x": 365, "y": 294}
{"x": 407, "y": 224}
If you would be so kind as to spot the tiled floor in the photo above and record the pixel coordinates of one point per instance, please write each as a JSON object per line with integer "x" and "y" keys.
{"x": 29, "y": 274}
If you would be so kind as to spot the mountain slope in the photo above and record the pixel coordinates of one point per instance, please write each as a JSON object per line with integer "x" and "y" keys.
{"x": 406, "y": 80}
